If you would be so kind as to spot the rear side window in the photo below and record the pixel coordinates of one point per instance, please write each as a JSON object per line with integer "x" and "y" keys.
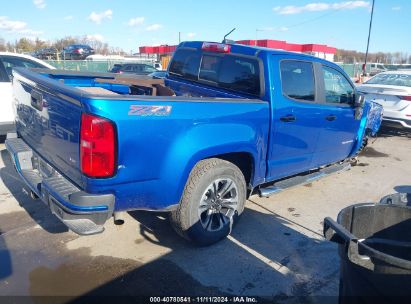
{"x": 229, "y": 72}
{"x": 297, "y": 79}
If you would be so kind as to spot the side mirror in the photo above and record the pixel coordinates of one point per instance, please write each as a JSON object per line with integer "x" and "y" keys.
{"x": 359, "y": 105}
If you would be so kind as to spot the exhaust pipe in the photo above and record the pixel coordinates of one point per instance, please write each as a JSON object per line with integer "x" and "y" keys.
{"x": 119, "y": 218}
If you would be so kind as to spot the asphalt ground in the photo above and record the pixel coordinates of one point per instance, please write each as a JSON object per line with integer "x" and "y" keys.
{"x": 276, "y": 251}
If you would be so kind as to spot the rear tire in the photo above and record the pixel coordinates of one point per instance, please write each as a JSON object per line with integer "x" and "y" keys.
{"x": 212, "y": 202}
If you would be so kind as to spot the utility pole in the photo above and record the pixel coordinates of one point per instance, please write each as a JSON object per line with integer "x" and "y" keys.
{"x": 179, "y": 37}
{"x": 364, "y": 68}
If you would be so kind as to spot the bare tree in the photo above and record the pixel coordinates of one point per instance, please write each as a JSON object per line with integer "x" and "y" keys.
{"x": 3, "y": 46}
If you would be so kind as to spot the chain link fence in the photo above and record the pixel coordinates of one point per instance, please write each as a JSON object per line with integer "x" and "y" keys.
{"x": 353, "y": 70}
{"x": 90, "y": 66}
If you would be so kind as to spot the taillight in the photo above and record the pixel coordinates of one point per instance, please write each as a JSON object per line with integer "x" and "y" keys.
{"x": 408, "y": 98}
{"x": 97, "y": 146}
{"x": 216, "y": 47}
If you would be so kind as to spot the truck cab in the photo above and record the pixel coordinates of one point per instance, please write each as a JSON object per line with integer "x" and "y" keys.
{"x": 312, "y": 101}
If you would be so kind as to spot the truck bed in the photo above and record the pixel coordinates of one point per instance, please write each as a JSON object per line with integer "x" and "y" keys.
{"x": 159, "y": 138}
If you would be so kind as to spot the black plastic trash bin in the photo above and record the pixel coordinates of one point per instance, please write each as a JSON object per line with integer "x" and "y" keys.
{"x": 375, "y": 252}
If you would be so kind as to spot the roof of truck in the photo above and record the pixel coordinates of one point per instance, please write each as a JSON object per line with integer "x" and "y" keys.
{"x": 254, "y": 50}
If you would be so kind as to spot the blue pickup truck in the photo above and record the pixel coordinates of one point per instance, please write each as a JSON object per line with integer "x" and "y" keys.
{"x": 227, "y": 122}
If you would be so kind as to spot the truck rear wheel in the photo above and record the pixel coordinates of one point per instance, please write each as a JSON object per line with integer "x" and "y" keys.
{"x": 212, "y": 202}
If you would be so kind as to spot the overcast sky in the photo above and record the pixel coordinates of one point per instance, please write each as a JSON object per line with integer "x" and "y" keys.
{"x": 129, "y": 24}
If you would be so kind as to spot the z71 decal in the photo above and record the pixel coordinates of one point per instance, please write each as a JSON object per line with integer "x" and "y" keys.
{"x": 136, "y": 110}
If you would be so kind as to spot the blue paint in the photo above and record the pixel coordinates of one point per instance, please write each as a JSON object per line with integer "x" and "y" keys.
{"x": 157, "y": 153}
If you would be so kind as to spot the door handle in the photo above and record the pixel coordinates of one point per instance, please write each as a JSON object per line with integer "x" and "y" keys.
{"x": 37, "y": 100}
{"x": 331, "y": 117}
{"x": 288, "y": 118}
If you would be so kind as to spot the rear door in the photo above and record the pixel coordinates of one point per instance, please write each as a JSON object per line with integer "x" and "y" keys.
{"x": 296, "y": 116}
{"x": 339, "y": 132}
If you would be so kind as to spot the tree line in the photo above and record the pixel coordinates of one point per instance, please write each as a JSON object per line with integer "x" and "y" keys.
{"x": 25, "y": 45}
{"x": 348, "y": 56}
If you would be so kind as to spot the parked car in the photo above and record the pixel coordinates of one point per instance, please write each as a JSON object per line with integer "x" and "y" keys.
{"x": 133, "y": 68}
{"x": 46, "y": 54}
{"x": 392, "y": 90}
{"x": 77, "y": 52}
{"x": 376, "y": 68}
{"x": 158, "y": 74}
{"x": 227, "y": 122}
{"x": 7, "y": 62}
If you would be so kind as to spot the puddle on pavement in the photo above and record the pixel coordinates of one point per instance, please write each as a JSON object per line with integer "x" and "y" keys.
{"x": 371, "y": 152}
{"x": 102, "y": 276}
{"x": 77, "y": 277}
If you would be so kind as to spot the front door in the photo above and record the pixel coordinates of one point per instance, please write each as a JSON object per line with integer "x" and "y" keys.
{"x": 296, "y": 117}
{"x": 339, "y": 133}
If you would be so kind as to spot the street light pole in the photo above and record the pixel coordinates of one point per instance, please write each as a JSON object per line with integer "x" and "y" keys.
{"x": 364, "y": 69}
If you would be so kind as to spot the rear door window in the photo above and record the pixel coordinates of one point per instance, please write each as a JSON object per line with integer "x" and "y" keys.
{"x": 136, "y": 68}
{"x": 240, "y": 74}
{"x": 297, "y": 78}
{"x": 128, "y": 68}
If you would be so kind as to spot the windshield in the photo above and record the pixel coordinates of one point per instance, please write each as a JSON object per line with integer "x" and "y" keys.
{"x": 402, "y": 80}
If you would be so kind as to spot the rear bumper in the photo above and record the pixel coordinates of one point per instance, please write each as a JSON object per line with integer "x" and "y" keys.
{"x": 396, "y": 122}
{"x": 81, "y": 212}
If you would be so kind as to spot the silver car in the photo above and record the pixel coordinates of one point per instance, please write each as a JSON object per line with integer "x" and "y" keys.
{"x": 392, "y": 90}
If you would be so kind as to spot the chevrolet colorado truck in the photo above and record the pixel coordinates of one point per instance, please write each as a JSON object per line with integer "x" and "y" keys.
{"x": 227, "y": 122}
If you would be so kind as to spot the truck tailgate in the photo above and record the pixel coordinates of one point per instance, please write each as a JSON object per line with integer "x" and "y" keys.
{"x": 48, "y": 120}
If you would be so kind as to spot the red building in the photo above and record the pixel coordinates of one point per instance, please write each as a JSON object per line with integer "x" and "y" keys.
{"x": 318, "y": 50}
